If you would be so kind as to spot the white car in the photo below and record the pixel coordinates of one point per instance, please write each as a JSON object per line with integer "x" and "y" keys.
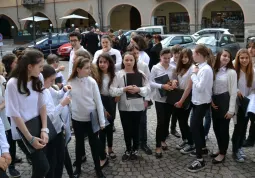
{"x": 207, "y": 31}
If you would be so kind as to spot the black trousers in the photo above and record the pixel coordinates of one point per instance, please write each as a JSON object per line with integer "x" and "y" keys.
{"x": 40, "y": 164}
{"x": 55, "y": 153}
{"x": 68, "y": 163}
{"x": 130, "y": 121}
{"x": 221, "y": 130}
{"x": 251, "y": 137}
{"x": 12, "y": 144}
{"x": 3, "y": 174}
{"x": 143, "y": 128}
{"x": 197, "y": 128}
{"x": 110, "y": 107}
{"x": 164, "y": 112}
{"x": 239, "y": 130}
{"x": 173, "y": 121}
{"x": 183, "y": 116}
{"x": 80, "y": 129}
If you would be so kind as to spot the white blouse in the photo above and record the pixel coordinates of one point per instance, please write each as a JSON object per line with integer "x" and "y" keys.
{"x": 6, "y": 123}
{"x": 143, "y": 56}
{"x": 184, "y": 79}
{"x": 156, "y": 71}
{"x": 86, "y": 99}
{"x": 220, "y": 84}
{"x": 105, "y": 83}
{"x": 4, "y": 146}
{"x": 117, "y": 89}
{"x": 242, "y": 84}
{"x": 21, "y": 105}
{"x": 111, "y": 52}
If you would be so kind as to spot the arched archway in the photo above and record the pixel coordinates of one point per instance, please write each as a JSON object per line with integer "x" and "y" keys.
{"x": 41, "y": 26}
{"x": 224, "y": 14}
{"x": 173, "y": 15}
{"x": 8, "y": 27}
{"x": 125, "y": 17}
{"x": 79, "y": 23}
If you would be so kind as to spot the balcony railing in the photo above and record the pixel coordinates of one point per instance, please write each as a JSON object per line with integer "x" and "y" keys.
{"x": 32, "y": 2}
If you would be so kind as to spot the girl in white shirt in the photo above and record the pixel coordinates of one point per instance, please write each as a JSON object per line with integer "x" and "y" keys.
{"x": 246, "y": 85}
{"x": 24, "y": 101}
{"x": 140, "y": 42}
{"x": 224, "y": 101}
{"x": 56, "y": 148}
{"x": 86, "y": 105}
{"x": 183, "y": 72}
{"x": 106, "y": 43}
{"x": 130, "y": 110}
{"x": 106, "y": 70}
{"x": 163, "y": 109}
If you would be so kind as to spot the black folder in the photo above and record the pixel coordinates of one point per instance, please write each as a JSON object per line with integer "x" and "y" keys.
{"x": 34, "y": 126}
{"x": 58, "y": 80}
{"x": 114, "y": 58}
{"x": 163, "y": 79}
{"x": 222, "y": 101}
{"x": 243, "y": 103}
{"x": 175, "y": 95}
{"x": 133, "y": 79}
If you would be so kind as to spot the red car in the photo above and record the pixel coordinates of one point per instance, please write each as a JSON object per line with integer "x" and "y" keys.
{"x": 64, "y": 50}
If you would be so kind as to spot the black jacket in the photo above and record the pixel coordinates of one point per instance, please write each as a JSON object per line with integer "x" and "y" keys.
{"x": 91, "y": 42}
{"x": 155, "y": 57}
{"x": 123, "y": 43}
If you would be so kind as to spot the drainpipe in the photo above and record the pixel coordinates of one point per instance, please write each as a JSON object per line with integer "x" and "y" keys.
{"x": 55, "y": 14}
{"x": 100, "y": 12}
{"x": 17, "y": 9}
{"x": 102, "y": 19}
{"x": 196, "y": 22}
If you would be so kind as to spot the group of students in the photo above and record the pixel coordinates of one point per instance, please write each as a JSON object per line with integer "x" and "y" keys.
{"x": 95, "y": 85}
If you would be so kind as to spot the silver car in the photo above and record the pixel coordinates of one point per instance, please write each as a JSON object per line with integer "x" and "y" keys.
{"x": 180, "y": 39}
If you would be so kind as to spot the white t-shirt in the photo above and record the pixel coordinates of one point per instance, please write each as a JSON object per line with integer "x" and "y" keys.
{"x": 21, "y": 105}
{"x": 111, "y": 52}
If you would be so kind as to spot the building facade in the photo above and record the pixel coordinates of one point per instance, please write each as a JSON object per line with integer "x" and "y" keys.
{"x": 179, "y": 16}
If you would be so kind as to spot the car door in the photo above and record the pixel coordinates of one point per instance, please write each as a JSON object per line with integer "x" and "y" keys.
{"x": 225, "y": 43}
{"x": 187, "y": 40}
{"x": 176, "y": 40}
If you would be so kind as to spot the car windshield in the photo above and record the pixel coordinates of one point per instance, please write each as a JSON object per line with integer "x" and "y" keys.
{"x": 165, "y": 42}
{"x": 209, "y": 40}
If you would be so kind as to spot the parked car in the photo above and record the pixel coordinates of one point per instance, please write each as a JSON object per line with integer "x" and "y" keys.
{"x": 158, "y": 29}
{"x": 128, "y": 34}
{"x": 50, "y": 45}
{"x": 64, "y": 50}
{"x": 182, "y": 40}
{"x": 207, "y": 31}
{"x": 225, "y": 41}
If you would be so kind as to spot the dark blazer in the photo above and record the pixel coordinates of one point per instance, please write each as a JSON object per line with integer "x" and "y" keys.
{"x": 91, "y": 42}
{"x": 123, "y": 43}
{"x": 155, "y": 57}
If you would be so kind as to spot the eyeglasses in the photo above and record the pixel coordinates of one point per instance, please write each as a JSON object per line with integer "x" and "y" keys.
{"x": 74, "y": 41}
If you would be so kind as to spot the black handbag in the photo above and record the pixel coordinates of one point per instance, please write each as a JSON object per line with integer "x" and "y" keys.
{"x": 34, "y": 126}
{"x": 175, "y": 95}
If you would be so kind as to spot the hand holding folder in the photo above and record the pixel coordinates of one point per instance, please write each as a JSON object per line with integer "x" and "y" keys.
{"x": 163, "y": 79}
{"x": 133, "y": 80}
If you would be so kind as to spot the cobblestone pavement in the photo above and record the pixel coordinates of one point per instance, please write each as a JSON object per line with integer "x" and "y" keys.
{"x": 173, "y": 163}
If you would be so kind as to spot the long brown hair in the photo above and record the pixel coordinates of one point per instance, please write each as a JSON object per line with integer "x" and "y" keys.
{"x": 249, "y": 69}
{"x": 80, "y": 63}
{"x": 182, "y": 68}
{"x": 110, "y": 70}
{"x": 217, "y": 66}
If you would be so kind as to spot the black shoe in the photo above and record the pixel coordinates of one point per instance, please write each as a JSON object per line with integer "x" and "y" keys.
{"x": 14, "y": 173}
{"x": 164, "y": 147}
{"x": 105, "y": 164}
{"x": 113, "y": 129}
{"x": 126, "y": 156}
{"x": 29, "y": 160}
{"x": 248, "y": 143}
{"x": 214, "y": 155}
{"x": 112, "y": 155}
{"x": 146, "y": 149}
{"x": 76, "y": 173}
{"x": 214, "y": 161}
{"x": 196, "y": 166}
{"x": 158, "y": 155}
{"x": 84, "y": 159}
{"x": 205, "y": 152}
{"x": 176, "y": 134}
{"x": 17, "y": 160}
{"x": 134, "y": 155}
{"x": 100, "y": 174}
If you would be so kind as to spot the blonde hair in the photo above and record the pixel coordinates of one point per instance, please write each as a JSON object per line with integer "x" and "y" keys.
{"x": 2, "y": 68}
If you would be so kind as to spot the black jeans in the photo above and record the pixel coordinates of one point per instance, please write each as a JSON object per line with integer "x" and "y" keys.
{"x": 221, "y": 130}
{"x": 40, "y": 164}
{"x": 173, "y": 121}
{"x": 12, "y": 144}
{"x": 143, "y": 128}
{"x": 3, "y": 174}
{"x": 164, "y": 112}
{"x": 80, "y": 128}
{"x": 110, "y": 107}
{"x": 55, "y": 152}
{"x": 197, "y": 128}
{"x": 183, "y": 117}
{"x": 130, "y": 121}
{"x": 68, "y": 163}
{"x": 239, "y": 130}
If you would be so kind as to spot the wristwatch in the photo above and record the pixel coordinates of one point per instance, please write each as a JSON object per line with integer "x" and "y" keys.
{"x": 45, "y": 130}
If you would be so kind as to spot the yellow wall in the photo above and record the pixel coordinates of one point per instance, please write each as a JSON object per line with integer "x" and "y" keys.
{"x": 120, "y": 17}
